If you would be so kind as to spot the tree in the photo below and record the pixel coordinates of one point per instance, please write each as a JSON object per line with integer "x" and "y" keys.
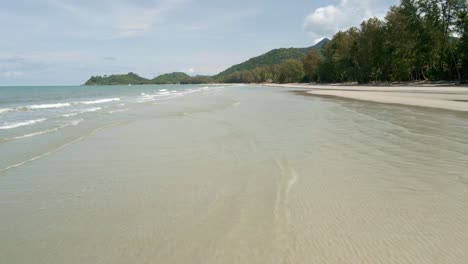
{"x": 462, "y": 47}
{"x": 291, "y": 71}
{"x": 310, "y": 64}
{"x": 369, "y": 53}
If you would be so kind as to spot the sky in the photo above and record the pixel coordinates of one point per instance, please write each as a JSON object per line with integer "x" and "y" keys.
{"x": 64, "y": 42}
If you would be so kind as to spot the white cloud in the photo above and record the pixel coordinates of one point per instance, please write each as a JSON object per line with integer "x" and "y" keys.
{"x": 326, "y": 21}
{"x": 12, "y": 74}
{"x": 119, "y": 18}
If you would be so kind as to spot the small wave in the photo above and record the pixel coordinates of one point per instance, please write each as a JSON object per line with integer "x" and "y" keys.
{"x": 70, "y": 115}
{"x": 4, "y": 110}
{"x": 163, "y": 90}
{"x": 100, "y": 101}
{"x": 94, "y": 109}
{"x": 76, "y": 122}
{"x": 71, "y": 123}
{"x": 36, "y": 133}
{"x": 43, "y": 106}
{"x": 117, "y": 111}
{"x": 20, "y": 124}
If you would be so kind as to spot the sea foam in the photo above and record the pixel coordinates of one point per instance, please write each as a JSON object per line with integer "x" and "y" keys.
{"x": 4, "y": 110}
{"x": 23, "y": 123}
{"x": 44, "y": 106}
{"x": 100, "y": 101}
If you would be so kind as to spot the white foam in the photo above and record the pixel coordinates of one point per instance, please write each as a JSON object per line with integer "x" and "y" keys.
{"x": 23, "y": 123}
{"x": 44, "y": 106}
{"x": 76, "y": 122}
{"x": 163, "y": 90}
{"x": 94, "y": 109}
{"x": 118, "y": 111}
{"x": 100, "y": 101}
{"x": 4, "y": 110}
{"x": 71, "y": 123}
{"x": 70, "y": 115}
{"x": 37, "y": 133}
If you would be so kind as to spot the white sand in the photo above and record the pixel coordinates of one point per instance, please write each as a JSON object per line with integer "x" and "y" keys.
{"x": 442, "y": 97}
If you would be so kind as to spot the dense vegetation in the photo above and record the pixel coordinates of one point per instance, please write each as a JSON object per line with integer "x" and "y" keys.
{"x": 417, "y": 40}
{"x": 273, "y": 57}
{"x": 132, "y": 78}
{"x": 170, "y": 78}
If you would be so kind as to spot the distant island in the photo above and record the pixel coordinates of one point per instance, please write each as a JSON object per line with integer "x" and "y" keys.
{"x": 132, "y": 78}
{"x": 416, "y": 41}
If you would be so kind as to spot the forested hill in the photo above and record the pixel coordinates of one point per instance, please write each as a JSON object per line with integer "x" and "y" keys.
{"x": 424, "y": 40}
{"x": 132, "y": 78}
{"x": 171, "y": 78}
{"x": 115, "y": 79}
{"x": 273, "y": 57}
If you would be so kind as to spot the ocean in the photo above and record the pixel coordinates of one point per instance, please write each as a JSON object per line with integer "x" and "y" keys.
{"x": 227, "y": 174}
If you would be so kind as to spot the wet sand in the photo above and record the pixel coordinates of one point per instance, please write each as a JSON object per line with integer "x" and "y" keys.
{"x": 245, "y": 175}
{"x": 441, "y": 97}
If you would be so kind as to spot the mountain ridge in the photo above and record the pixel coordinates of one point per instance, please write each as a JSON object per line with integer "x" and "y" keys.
{"x": 272, "y": 57}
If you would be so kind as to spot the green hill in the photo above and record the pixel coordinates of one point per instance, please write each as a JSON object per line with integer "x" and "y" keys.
{"x": 171, "y": 78}
{"x": 132, "y": 78}
{"x": 273, "y": 57}
{"x": 115, "y": 79}
{"x": 252, "y": 70}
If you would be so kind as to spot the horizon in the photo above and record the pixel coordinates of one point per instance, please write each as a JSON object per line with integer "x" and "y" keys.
{"x": 72, "y": 41}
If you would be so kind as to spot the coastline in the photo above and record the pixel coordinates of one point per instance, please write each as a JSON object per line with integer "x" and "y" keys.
{"x": 454, "y": 98}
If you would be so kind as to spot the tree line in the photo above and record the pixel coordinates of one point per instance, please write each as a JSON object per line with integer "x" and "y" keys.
{"x": 417, "y": 40}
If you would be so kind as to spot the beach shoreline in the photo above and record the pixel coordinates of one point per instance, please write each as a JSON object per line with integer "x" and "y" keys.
{"x": 450, "y": 97}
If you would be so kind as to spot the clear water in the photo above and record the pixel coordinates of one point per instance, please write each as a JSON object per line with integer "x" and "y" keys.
{"x": 34, "y": 120}
{"x": 238, "y": 174}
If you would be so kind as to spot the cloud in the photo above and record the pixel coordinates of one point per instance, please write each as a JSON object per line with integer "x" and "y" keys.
{"x": 327, "y": 20}
{"x": 12, "y": 74}
{"x": 119, "y": 18}
{"x": 110, "y": 58}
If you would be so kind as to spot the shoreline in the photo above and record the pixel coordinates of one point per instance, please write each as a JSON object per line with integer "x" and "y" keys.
{"x": 454, "y": 98}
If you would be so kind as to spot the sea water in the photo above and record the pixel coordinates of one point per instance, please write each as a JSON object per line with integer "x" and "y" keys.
{"x": 227, "y": 174}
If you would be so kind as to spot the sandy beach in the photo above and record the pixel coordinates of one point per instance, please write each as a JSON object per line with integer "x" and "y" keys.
{"x": 238, "y": 174}
{"x": 442, "y": 97}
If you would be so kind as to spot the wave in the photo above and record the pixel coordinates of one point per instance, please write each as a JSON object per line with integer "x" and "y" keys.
{"x": 36, "y": 133}
{"x": 75, "y": 122}
{"x": 71, "y": 123}
{"x": 20, "y": 124}
{"x": 166, "y": 94}
{"x": 93, "y": 109}
{"x": 100, "y": 101}
{"x": 117, "y": 111}
{"x": 43, "y": 106}
{"x": 70, "y": 115}
{"x": 58, "y": 105}
{"x": 4, "y": 110}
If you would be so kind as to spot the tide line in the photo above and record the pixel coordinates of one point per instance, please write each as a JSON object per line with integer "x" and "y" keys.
{"x": 59, "y": 148}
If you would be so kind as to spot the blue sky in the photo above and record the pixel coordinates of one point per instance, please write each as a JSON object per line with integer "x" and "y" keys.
{"x": 54, "y": 42}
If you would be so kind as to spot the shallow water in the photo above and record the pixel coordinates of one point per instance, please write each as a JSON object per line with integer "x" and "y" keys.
{"x": 230, "y": 175}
